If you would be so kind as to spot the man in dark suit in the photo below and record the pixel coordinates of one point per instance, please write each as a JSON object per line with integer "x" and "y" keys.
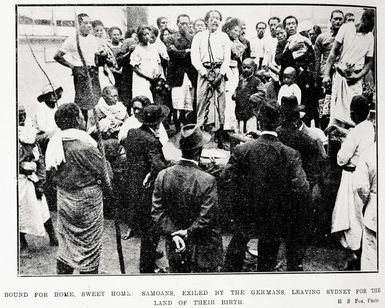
{"x": 267, "y": 175}
{"x": 305, "y": 218}
{"x": 185, "y": 204}
{"x": 144, "y": 161}
{"x": 181, "y": 70}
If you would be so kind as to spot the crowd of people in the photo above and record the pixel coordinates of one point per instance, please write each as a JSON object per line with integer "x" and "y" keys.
{"x": 299, "y": 103}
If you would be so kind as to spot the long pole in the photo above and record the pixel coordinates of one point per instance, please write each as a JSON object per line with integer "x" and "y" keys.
{"x": 101, "y": 148}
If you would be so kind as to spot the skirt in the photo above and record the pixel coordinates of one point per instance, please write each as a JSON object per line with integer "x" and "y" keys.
{"x": 80, "y": 227}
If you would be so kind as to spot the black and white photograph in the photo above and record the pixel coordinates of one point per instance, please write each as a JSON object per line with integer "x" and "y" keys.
{"x": 196, "y": 139}
{"x": 192, "y": 154}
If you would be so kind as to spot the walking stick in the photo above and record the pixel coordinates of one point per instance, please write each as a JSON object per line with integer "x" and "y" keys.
{"x": 101, "y": 148}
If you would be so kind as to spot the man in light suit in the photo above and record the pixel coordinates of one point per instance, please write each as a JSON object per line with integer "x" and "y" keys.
{"x": 267, "y": 174}
{"x": 184, "y": 206}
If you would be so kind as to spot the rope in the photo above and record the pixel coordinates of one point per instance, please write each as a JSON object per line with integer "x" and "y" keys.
{"x": 39, "y": 65}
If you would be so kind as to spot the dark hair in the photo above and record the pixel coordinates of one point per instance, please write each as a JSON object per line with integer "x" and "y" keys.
{"x": 162, "y": 33}
{"x": 231, "y": 24}
{"x": 368, "y": 14}
{"x": 207, "y": 16}
{"x": 129, "y": 32}
{"x": 280, "y": 25}
{"x": 159, "y": 19}
{"x": 317, "y": 30}
{"x": 107, "y": 89}
{"x": 260, "y": 22}
{"x": 272, "y": 18}
{"x": 154, "y": 30}
{"x": 110, "y": 30}
{"x": 81, "y": 16}
{"x": 182, "y": 15}
{"x": 347, "y": 15}
{"x": 67, "y": 115}
{"x": 360, "y": 104}
{"x": 140, "y": 32}
{"x": 144, "y": 100}
{"x": 288, "y": 17}
{"x": 97, "y": 23}
{"x": 195, "y": 21}
{"x": 190, "y": 153}
{"x": 337, "y": 11}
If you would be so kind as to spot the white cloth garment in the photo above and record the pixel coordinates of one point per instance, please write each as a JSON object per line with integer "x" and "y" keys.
{"x": 55, "y": 152}
{"x": 347, "y": 218}
{"x": 89, "y": 47}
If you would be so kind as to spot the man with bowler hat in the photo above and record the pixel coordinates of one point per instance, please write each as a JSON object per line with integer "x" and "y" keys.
{"x": 144, "y": 161}
{"x": 185, "y": 205}
{"x": 267, "y": 175}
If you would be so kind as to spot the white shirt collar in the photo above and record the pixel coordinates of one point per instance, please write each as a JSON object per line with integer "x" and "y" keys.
{"x": 266, "y": 132}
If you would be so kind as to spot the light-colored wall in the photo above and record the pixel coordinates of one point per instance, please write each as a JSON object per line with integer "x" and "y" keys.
{"x": 31, "y": 79}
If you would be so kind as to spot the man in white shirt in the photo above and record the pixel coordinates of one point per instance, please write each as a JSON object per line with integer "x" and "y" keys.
{"x": 210, "y": 55}
{"x": 89, "y": 48}
{"x": 271, "y": 43}
{"x": 355, "y": 46}
{"x": 259, "y": 44}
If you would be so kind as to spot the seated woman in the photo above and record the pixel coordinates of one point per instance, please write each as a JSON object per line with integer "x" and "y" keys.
{"x": 110, "y": 113}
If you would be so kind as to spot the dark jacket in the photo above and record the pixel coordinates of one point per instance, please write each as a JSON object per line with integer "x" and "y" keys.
{"x": 244, "y": 107}
{"x": 180, "y": 60}
{"x": 143, "y": 155}
{"x": 268, "y": 175}
{"x": 185, "y": 197}
{"x": 289, "y": 135}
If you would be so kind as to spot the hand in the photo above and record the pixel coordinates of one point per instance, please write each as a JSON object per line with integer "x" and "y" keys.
{"x": 217, "y": 80}
{"x": 331, "y": 128}
{"x": 326, "y": 82}
{"x": 179, "y": 243}
{"x": 146, "y": 181}
{"x": 39, "y": 192}
{"x": 188, "y": 50}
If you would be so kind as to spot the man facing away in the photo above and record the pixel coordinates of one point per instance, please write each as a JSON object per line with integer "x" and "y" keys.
{"x": 185, "y": 205}
{"x": 267, "y": 175}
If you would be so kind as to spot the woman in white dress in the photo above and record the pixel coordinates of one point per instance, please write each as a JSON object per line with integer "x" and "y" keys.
{"x": 233, "y": 28}
{"x": 347, "y": 219}
{"x": 146, "y": 64}
{"x": 34, "y": 216}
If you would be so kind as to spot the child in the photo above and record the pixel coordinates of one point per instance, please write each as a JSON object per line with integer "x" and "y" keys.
{"x": 249, "y": 87}
{"x": 289, "y": 86}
